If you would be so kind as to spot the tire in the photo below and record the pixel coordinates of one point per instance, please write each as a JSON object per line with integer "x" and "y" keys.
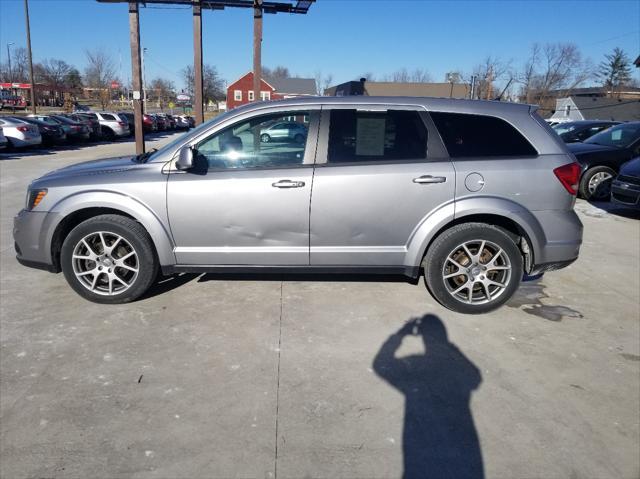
{"x": 298, "y": 138}
{"x": 264, "y": 138}
{"x": 120, "y": 277}
{"x": 595, "y": 184}
{"x": 450, "y": 291}
{"x": 108, "y": 134}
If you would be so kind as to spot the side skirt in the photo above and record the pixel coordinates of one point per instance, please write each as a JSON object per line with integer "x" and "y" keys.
{"x": 410, "y": 271}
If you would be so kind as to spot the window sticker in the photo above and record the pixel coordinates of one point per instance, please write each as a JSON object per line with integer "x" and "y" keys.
{"x": 616, "y": 135}
{"x": 370, "y": 136}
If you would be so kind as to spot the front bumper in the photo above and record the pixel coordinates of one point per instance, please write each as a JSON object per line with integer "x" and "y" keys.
{"x": 625, "y": 193}
{"x": 30, "y": 234}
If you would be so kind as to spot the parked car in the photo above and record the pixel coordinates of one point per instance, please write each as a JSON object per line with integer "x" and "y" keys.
{"x": 128, "y": 117}
{"x": 112, "y": 125}
{"x": 625, "y": 189}
{"x": 149, "y": 123}
{"x": 95, "y": 130}
{"x": 182, "y": 123}
{"x": 601, "y": 156}
{"x": 161, "y": 121}
{"x": 473, "y": 193}
{"x": 51, "y": 120}
{"x": 168, "y": 120}
{"x": 285, "y": 130}
{"x": 574, "y": 131}
{"x": 78, "y": 130}
{"x": 19, "y": 133}
{"x": 51, "y": 133}
{"x": 4, "y": 143}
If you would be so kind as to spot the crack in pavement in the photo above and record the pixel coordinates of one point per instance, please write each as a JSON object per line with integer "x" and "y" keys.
{"x": 275, "y": 465}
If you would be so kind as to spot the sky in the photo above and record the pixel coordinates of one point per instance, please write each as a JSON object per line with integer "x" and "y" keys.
{"x": 344, "y": 38}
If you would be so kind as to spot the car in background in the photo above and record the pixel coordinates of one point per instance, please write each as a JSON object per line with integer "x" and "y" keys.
{"x": 161, "y": 121}
{"x": 574, "y": 131}
{"x": 181, "y": 123}
{"x": 129, "y": 118}
{"x": 112, "y": 125}
{"x": 20, "y": 134}
{"x": 95, "y": 130}
{"x": 149, "y": 123}
{"x": 286, "y": 130}
{"x": 601, "y": 157}
{"x": 78, "y": 131}
{"x": 51, "y": 120}
{"x": 4, "y": 143}
{"x": 168, "y": 119}
{"x": 52, "y": 134}
{"x": 625, "y": 189}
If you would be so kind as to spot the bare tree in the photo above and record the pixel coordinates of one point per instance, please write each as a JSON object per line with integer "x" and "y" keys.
{"x": 99, "y": 73}
{"x": 488, "y": 74}
{"x": 212, "y": 83}
{"x": 19, "y": 67}
{"x": 552, "y": 67}
{"x": 162, "y": 90}
{"x": 420, "y": 76}
{"x": 322, "y": 82}
{"x": 53, "y": 72}
{"x": 276, "y": 73}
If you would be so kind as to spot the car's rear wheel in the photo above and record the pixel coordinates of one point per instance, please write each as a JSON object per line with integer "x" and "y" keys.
{"x": 265, "y": 138}
{"x": 473, "y": 268}
{"x": 108, "y": 134}
{"x": 109, "y": 259}
{"x": 299, "y": 138}
{"x": 596, "y": 182}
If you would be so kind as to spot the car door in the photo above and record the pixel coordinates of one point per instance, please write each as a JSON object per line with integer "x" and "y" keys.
{"x": 247, "y": 201}
{"x": 379, "y": 173}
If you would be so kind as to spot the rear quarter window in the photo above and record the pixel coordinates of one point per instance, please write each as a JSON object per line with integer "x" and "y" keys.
{"x": 108, "y": 117}
{"x": 466, "y": 135}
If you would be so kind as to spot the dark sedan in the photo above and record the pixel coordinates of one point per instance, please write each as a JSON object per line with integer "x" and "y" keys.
{"x": 77, "y": 130}
{"x": 95, "y": 130}
{"x": 625, "y": 189}
{"x": 601, "y": 157}
{"x": 574, "y": 131}
{"x": 52, "y": 134}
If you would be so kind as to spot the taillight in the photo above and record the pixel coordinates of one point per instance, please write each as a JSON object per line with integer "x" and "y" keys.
{"x": 121, "y": 123}
{"x": 569, "y": 176}
{"x": 23, "y": 128}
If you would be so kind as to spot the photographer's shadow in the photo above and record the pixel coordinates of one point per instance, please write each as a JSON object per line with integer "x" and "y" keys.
{"x": 439, "y": 438}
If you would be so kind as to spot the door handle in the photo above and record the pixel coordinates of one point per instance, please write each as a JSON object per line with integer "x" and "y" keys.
{"x": 288, "y": 184}
{"x": 428, "y": 179}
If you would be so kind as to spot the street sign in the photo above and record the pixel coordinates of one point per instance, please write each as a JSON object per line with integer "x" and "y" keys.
{"x": 114, "y": 85}
{"x": 171, "y": 104}
{"x": 183, "y": 97}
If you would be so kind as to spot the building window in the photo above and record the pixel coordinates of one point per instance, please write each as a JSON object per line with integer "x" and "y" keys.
{"x": 251, "y": 95}
{"x": 237, "y": 95}
{"x": 265, "y": 95}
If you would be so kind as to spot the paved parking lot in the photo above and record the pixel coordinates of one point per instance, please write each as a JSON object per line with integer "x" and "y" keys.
{"x": 292, "y": 377}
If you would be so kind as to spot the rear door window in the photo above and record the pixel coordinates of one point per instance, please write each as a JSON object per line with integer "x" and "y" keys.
{"x": 107, "y": 117}
{"x": 466, "y": 135}
{"x": 360, "y": 136}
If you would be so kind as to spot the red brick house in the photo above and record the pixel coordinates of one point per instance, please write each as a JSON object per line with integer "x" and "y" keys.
{"x": 240, "y": 91}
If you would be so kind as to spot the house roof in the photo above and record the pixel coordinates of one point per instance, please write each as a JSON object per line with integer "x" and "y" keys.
{"x": 298, "y": 86}
{"x": 598, "y": 108}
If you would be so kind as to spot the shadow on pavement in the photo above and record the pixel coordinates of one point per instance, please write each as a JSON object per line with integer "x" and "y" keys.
{"x": 439, "y": 438}
{"x": 617, "y": 209}
{"x": 165, "y": 284}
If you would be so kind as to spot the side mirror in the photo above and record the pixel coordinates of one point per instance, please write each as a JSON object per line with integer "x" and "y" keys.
{"x": 185, "y": 159}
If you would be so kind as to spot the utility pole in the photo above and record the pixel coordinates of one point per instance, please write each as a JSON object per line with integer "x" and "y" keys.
{"x": 9, "y": 60}
{"x": 136, "y": 67}
{"x": 33, "y": 95}
{"x": 257, "y": 49}
{"x": 197, "y": 62}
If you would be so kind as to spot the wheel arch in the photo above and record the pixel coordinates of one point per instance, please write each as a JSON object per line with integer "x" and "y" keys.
{"x": 68, "y": 214}
{"x": 514, "y": 220}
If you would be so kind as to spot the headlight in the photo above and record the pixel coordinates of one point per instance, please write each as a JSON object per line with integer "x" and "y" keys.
{"x": 34, "y": 197}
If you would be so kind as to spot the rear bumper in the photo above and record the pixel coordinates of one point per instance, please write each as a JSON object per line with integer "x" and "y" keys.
{"x": 562, "y": 241}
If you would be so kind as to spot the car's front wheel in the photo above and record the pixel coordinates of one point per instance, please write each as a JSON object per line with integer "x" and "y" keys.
{"x": 473, "y": 268}
{"x": 265, "y": 138}
{"x": 109, "y": 259}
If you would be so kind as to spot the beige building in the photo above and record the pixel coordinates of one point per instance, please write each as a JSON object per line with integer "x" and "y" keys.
{"x": 375, "y": 88}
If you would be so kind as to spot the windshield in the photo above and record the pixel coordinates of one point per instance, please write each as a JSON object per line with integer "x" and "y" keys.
{"x": 193, "y": 132}
{"x": 561, "y": 128}
{"x": 619, "y": 136}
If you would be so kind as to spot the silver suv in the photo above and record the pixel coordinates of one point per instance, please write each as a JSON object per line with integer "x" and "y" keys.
{"x": 473, "y": 194}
